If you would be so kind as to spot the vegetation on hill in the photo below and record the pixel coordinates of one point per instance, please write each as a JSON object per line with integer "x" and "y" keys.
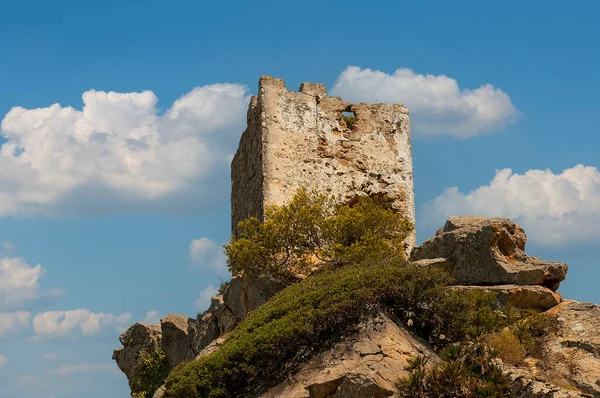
{"x": 354, "y": 259}
{"x": 308, "y": 316}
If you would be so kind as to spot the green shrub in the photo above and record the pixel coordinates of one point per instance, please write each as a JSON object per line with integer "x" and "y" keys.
{"x": 508, "y": 346}
{"x": 305, "y": 317}
{"x": 468, "y": 370}
{"x": 531, "y": 330}
{"x": 311, "y": 231}
{"x": 152, "y": 369}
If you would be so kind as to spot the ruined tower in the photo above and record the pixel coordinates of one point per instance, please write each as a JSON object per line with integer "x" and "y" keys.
{"x": 306, "y": 138}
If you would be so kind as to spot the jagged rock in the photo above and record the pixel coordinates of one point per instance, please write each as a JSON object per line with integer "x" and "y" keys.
{"x": 182, "y": 338}
{"x": 523, "y": 385}
{"x": 567, "y": 361}
{"x": 137, "y": 338}
{"x": 537, "y": 298}
{"x": 177, "y": 337}
{"x": 487, "y": 251}
{"x": 366, "y": 364}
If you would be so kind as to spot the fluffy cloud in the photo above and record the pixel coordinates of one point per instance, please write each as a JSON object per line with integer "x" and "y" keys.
{"x": 119, "y": 151}
{"x": 203, "y": 300}
{"x": 152, "y": 317}
{"x": 3, "y": 361}
{"x": 60, "y": 323}
{"x": 12, "y": 322}
{"x": 437, "y": 104}
{"x": 553, "y": 208}
{"x": 208, "y": 254}
{"x": 70, "y": 369}
{"x": 19, "y": 283}
{"x": 49, "y": 356}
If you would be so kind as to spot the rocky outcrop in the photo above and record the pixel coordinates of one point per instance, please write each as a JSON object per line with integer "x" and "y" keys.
{"x": 572, "y": 353}
{"x": 182, "y": 338}
{"x": 366, "y": 364}
{"x": 137, "y": 338}
{"x": 487, "y": 251}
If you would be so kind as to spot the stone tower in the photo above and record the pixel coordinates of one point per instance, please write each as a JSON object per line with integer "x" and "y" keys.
{"x": 296, "y": 139}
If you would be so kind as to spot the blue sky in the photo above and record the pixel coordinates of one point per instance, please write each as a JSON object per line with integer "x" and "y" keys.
{"x": 123, "y": 206}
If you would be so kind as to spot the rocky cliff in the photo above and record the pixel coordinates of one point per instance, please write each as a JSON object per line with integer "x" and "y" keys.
{"x": 480, "y": 253}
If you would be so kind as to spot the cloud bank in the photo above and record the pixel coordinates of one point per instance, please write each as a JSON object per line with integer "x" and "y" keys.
{"x": 61, "y": 323}
{"x": 436, "y": 102}
{"x": 119, "y": 151}
{"x": 553, "y": 208}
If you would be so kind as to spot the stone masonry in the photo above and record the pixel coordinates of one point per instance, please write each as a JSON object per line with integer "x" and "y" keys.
{"x": 297, "y": 139}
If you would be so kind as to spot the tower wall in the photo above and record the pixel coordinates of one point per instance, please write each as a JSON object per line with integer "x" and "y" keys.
{"x": 297, "y": 139}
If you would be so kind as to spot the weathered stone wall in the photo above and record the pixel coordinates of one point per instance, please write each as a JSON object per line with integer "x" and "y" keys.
{"x": 297, "y": 139}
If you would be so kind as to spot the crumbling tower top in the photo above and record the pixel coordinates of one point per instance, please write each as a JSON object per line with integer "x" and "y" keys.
{"x": 309, "y": 139}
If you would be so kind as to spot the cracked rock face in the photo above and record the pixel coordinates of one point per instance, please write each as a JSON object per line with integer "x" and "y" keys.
{"x": 367, "y": 364}
{"x": 487, "y": 251}
{"x": 569, "y": 365}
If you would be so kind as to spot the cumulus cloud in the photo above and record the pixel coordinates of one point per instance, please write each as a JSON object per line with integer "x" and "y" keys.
{"x": 553, "y": 208}
{"x": 152, "y": 317}
{"x": 3, "y": 361}
{"x": 119, "y": 151}
{"x": 12, "y": 322}
{"x": 49, "y": 356}
{"x": 69, "y": 369}
{"x": 208, "y": 254}
{"x": 436, "y": 102}
{"x": 19, "y": 282}
{"x": 60, "y": 323}
{"x": 203, "y": 300}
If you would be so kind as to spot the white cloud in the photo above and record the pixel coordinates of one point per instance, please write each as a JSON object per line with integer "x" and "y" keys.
{"x": 206, "y": 253}
{"x": 553, "y": 208}
{"x": 60, "y": 323}
{"x": 3, "y": 361}
{"x": 119, "y": 152}
{"x": 19, "y": 282}
{"x": 49, "y": 356}
{"x": 70, "y": 369}
{"x": 152, "y": 317}
{"x": 436, "y": 103}
{"x": 12, "y": 322}
{"x": 203, "y": 300}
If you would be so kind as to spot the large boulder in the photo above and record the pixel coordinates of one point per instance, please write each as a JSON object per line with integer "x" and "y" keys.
{"x": 566, "y": 360}
{"x": 137, "y": 338}
{"x": 487, "y": 251}
{"x": 365, "y": 364}
{"x": 177, "y": 337}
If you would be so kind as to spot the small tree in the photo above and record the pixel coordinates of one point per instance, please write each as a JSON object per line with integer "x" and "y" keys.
{"x": 312, "y": 231}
